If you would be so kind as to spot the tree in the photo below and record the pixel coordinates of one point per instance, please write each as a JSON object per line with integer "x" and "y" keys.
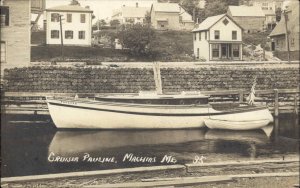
{"x": 278, "y": 13}
{"x": 138, "y": 39}
{"x": 114, "y": 23}
{"x": 215, "y": 7}
{"x": 147, "y": 18}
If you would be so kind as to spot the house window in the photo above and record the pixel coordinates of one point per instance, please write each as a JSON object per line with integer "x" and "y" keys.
{"x": 54, "y": 17}
{"x": 217, "y": 34}
{"x": 236, "y": 50}
{"x": 68, "y": 34}
{"x": 195, "y": 36}
{"x": 215, "y": 50}
{"x": 225, "y": 21}
{"x": 3, "y": 52}
{"x": 198, "y": 53}
{"x": 54, "y": 34}
{"x": 180, "y": 19}
{"x": 69, "y": 18}
{"x": 234, "y": 35}
{"x": 81, "y": 34}
{"x": 4, "y": 16}
{"x": 205, "y": 35}
{"x": 82, "y": 18}
{"x": 199, "y": 36}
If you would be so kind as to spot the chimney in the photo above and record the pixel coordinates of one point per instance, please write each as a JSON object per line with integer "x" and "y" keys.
{"x": 136, "y": 4}
{"x": 87, "y": 7}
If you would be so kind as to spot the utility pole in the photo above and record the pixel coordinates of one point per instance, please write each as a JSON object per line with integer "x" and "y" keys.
{"x": 61, "y": 39}
{"x": 287, "y": 33}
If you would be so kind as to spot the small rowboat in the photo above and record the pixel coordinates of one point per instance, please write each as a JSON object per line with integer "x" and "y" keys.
{"x": 214, "y": 123}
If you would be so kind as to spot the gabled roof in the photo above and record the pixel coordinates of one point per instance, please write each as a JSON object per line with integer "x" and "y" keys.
{"x": 210, "y": 21}
{"x": 293, "y": 22}
{"x": 246, "y": 11}
{"x": 269, "y": 12}
{"x": 165, "y": 7}
{"x": 134, "y": 11}
{"x": 69, "y": 8}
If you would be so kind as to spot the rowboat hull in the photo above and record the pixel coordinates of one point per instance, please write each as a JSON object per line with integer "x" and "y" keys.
{"x": 245, "y": 121}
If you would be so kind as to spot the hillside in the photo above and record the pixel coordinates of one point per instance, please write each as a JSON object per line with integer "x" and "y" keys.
{"x": 173, "y": 45}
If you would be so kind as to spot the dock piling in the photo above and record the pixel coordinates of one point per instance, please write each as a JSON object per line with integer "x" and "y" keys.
{"x": 276, "y": 103}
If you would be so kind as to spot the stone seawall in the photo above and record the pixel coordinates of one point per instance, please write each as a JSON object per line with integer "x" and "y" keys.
{"x": 131, "y": 80}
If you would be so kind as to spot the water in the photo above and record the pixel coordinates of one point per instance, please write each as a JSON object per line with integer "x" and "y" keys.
{"x": 31, "y": 144}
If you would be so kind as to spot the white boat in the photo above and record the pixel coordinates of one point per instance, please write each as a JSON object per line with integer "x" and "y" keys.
{"x": 145, "y": 112}
{"x": 245, "y": 121}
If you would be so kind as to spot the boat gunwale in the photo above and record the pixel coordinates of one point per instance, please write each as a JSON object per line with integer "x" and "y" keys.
{"x": 254, "y": 108}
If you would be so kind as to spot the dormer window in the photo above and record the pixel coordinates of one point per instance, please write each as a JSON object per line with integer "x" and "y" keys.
{"x": 4, "y": 16}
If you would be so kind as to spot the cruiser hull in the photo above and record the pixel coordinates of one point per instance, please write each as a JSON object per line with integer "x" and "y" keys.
{"x": 78, "y": 114}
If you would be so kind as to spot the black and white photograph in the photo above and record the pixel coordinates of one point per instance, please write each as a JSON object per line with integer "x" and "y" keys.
{"x": 150, "y": 93}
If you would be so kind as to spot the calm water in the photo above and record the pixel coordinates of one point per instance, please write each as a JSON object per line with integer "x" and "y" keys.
{"x": 31, "y": 144}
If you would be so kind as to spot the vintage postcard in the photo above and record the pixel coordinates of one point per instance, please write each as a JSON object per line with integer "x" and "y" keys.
{"x": 150, "y": 93}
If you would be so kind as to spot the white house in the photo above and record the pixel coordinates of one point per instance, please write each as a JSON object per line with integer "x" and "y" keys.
{"x": 76, "y": 25}
{"x": 218, "y": 38}
{"x": 130, "y": 15}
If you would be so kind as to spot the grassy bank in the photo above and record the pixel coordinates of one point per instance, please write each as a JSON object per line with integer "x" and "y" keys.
{"x": 173, "y": 45}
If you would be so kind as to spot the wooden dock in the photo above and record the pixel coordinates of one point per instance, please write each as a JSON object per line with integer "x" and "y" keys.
{"x": 277, "y": 100}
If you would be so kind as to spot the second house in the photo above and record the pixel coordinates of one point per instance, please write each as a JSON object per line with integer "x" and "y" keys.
{"x": 75, "y": 26}
{"x": 218, "y": 38}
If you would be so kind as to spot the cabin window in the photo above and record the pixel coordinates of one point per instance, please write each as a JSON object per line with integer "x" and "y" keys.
{"x": 4, "y": 16}
{"x": 217, "y": 34}
{"x": 236, "y": 50}
{"x": 54, "y": 17}
{"x": 68, "y": 34}
{"x": 3, "y": 52}
{"x": 234, "y": 35}
{"x": 81, "y": 34}
{"x": 54, "y": 34}
{"x": 199, "y": 36}
{"x": 82, "y": 18}
{"x": 69, "y": 18}
{"x": 215, "y": 50}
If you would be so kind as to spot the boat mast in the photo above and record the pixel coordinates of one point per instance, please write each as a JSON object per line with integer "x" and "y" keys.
{"x": 157, "y": 78}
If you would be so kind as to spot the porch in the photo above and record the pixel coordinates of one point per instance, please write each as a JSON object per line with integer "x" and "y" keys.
{"x": 225, "y": 51}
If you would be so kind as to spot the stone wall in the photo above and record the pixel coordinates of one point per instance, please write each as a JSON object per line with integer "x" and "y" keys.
{"x": 131, "y": 80}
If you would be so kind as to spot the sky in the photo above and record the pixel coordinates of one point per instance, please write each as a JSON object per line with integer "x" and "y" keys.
{"x": 102, "y": 8}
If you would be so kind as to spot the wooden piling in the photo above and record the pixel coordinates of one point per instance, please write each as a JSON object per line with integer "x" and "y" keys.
{"x": 295, "y": 103}
{"x": 276, "y": 103}
{"x": 241, "y": 96}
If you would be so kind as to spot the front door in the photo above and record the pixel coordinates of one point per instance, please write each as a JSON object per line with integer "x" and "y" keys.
{"x": 226, "y": 51}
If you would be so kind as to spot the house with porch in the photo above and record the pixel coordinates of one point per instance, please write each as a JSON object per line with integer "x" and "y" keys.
{"x": 170, "y": 16}
{"x": 218, "y": 38}
{"x": 76, "y": 25}
{"x": 251, "y": 18}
